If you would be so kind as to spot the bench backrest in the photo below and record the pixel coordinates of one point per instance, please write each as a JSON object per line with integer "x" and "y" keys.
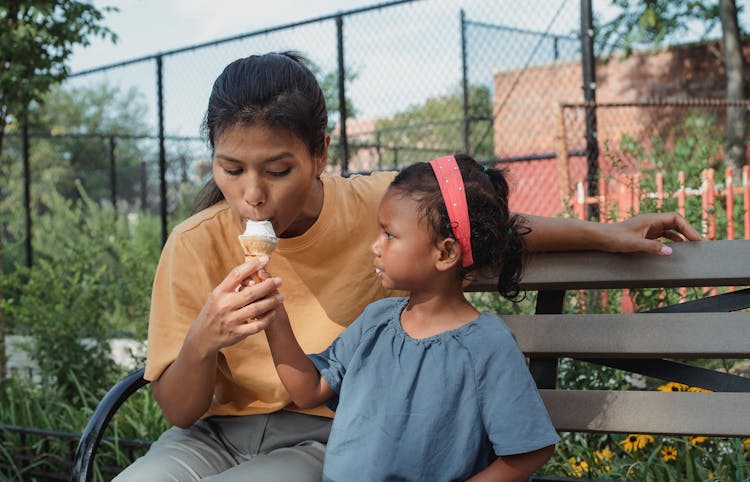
{"x": 655, "y": 344}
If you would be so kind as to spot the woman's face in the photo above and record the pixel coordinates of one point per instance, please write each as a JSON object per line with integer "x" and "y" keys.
{"x": 269, "y": 174}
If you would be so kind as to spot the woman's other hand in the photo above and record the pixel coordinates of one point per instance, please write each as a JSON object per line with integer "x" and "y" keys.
{"x": 646, "y": 231}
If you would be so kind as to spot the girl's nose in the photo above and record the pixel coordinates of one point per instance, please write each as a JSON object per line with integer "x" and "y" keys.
{"x": 375, "y": 246}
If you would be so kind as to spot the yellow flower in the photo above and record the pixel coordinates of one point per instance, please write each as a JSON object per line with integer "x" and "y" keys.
{"x": 697, "y": 439}
{"x": 602, "y": 455}
{"x": 698, "y": 389}
{"x": 710, "y": 475}
{"x": 668, "y": 453}
{"x": 746, "y": 444}
{"x": 634, "y": 442}
{"x": 673, "y": 387}
{"x": 579, "y": 468}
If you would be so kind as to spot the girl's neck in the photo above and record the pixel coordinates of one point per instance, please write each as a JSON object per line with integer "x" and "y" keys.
{"x": 428, "y": 314}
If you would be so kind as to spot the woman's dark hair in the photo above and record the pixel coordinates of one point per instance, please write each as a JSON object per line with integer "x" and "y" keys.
{"x": 496, "y": 234}
{"x": 276, "y": 90}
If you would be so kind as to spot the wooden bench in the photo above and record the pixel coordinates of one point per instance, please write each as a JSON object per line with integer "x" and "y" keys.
{"x": 646, "y": 343}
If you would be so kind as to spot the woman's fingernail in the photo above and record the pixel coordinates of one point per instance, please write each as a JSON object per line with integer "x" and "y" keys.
{"x": 277, "y": 281}
{"x": 280, "y": 297}
{"x": 666, "y": 250}
{"x": 263, "y": 259}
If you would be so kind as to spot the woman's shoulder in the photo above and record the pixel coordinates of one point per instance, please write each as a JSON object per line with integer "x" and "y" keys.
{"x": 368, "y": 186}
{"x": 219, "y": 214}
{"x": 206, "y": 229}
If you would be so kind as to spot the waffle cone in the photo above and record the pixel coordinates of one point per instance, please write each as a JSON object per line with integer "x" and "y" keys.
{"x": 256, "y": 246}
{"x": 253, "y": 246}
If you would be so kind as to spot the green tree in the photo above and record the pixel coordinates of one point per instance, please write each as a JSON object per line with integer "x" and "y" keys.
{"x": 76, "y": 126}
{"x": 329, "y": 84}
{"x": 65, "y": 149}
{"x": 654, "y": 21}
{"x": 36, "y": 41}
{"x": 435, "y": 127}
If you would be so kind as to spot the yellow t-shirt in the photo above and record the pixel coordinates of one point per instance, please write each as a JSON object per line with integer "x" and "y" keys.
{"x": 328, "y": 279}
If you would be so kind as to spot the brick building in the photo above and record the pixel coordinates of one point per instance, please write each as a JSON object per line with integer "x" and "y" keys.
{"x": 525, "y": 121}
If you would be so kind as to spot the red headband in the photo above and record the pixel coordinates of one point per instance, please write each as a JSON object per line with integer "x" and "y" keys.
{"x": 452, "y": 188}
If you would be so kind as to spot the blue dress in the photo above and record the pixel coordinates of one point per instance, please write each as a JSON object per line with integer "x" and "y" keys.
{"x": 429, "y": 409}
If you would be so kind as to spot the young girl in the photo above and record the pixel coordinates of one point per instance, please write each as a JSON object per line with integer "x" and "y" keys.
{"x": 425, "y": 386}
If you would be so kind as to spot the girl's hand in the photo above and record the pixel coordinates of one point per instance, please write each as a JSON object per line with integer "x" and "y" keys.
{"x": 644, "y": 233}
{"x": 237, "y": 308}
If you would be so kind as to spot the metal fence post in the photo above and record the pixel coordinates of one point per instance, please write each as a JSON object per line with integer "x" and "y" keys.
{"x": 464, "y": 84}
{"x": 162, "y": 152}
{"x": 27, "y": 186}
{"x": 113, "y": 173}
{"x": 344, "y": 142}
{"x": 589, "y": 95}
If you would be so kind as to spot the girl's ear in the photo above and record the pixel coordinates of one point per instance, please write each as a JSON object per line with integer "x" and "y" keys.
{"x": 449, "y": 254}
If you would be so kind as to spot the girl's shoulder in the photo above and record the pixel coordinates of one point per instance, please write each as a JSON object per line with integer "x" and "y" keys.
{"x": 381, "y": 312}
{"x": 489, "y": 334}
{"x": 385, "y": 308}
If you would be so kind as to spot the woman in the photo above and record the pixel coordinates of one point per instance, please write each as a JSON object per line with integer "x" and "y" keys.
{"x": 210, "y": 368}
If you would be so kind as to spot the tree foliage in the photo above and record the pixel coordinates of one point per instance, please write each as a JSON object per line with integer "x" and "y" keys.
{"x": 644, "y": 22}
{"x": 63, "y": 152}
{"x": 36, "y": 41}
{"x": 91, "y": 277}
{"x": 652, "y": 22}
{"x": 436, "y": 127}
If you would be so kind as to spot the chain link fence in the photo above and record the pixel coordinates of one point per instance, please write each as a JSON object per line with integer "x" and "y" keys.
{"x": 419, "y": 79}
{"x": 418, "y": 82}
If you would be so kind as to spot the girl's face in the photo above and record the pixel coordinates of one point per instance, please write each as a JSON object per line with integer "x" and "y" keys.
{"x": 405, "y": 254}
{"x": 269, "y": 174}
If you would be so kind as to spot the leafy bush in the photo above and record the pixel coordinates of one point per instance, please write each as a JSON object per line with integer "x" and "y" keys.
{"x": 91, "y": 278}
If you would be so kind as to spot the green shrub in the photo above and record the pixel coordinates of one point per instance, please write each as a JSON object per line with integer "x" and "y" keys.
{"x": 90, "y": 280}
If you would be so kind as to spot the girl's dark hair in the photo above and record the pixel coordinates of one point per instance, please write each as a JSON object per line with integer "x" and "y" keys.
{"x": 496, "y": 234}
{"x": 276, "y": 90}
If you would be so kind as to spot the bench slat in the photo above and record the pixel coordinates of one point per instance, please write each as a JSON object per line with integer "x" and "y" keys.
{"x": 705, "y": 263}
{"x": 637, "y": 335}
{"x": 658, "y": 413}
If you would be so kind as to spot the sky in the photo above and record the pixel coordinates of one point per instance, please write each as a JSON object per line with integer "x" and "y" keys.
{"x": 426, "y": 64}
{"x": 146, "y": 27}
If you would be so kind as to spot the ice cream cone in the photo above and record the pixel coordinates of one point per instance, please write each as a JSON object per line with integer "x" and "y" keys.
{"x": 258, "y": 240}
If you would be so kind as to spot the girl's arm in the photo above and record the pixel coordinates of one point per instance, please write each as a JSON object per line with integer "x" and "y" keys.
{"x": 639, "y": 233}
{"x": 298, "y": 374}
{"x": 514, "y": 468}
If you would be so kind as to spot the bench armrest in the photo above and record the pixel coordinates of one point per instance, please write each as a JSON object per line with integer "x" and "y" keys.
{"x": 97, "y": 424}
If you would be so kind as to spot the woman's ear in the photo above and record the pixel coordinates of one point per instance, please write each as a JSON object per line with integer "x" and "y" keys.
{"x": 448, "y": 254}
{"x": 323, "y": 159}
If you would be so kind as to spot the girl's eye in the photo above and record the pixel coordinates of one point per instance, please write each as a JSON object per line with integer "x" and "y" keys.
{"x": 233, "y": 172}
{"x": 389, "y": 236}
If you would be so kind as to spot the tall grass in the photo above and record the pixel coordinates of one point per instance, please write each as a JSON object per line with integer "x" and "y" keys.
{"x": 26, "y": 404}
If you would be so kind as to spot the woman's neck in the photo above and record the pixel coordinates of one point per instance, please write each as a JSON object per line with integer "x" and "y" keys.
{"x": 310, "y": 213}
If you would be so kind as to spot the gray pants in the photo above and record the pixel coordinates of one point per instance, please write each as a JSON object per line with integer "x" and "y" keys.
{"x": 278, "y": 447}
